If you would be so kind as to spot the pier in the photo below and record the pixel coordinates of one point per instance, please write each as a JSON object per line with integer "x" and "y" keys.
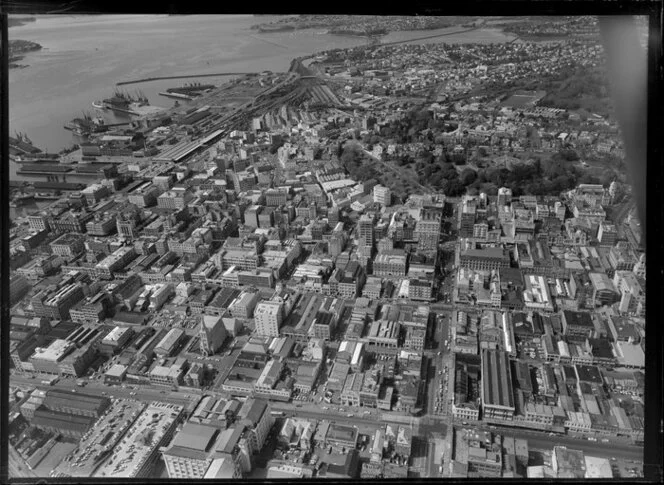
{"x": 186, "y": 76}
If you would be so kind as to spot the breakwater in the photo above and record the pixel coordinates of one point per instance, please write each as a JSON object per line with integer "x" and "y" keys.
{"x": 186, "y": 76}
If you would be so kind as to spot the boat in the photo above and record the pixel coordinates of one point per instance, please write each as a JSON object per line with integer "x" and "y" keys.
{"x": 121, "y": 102}
{"x": 98, "y": 104}
{"x": 142, "y": 99}
{"x": 24, "y": 138}
{"x": 86, "y": 125}
{"x": 22, "y": 144}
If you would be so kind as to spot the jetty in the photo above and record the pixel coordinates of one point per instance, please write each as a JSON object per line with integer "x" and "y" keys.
{"x": 185, "y": 76}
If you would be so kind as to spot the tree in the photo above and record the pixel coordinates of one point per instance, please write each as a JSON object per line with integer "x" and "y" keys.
{"x": 454, "y": 188}
{"x": 468, "y": 176}
{"x": 497, "y": 176}
{"x": 569, "y": 155}
{"x": 404, "y": 160}
{"x": 489, "y": 188}
{"x": 428, "y": 170}
{"x": 449, "y": 172}
{"x": 586, "y": 178}
{"x": 351, "y": 157}
{"x": 426, "y": 156}
{"x": 560, "y": 183}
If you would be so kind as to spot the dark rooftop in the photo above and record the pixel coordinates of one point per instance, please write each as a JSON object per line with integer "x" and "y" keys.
{"x": 496, "y": 378}
{"x": 579, "y": 319}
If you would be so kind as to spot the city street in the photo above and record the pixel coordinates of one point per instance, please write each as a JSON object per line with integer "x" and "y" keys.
{"x": 97, "y": 388}
{"x": 190, "y": 399}
{"x": 541, "y": 440}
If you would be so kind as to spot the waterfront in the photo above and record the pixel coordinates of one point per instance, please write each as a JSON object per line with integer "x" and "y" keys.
{"x": 83, "y": 57}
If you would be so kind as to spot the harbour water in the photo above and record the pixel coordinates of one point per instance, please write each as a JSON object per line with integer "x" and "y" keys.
{"x": 84, "y": 56}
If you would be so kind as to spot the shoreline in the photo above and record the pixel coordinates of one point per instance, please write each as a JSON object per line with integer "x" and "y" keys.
{"x": 18, "y": 49}
{"x": 416, "y": 35}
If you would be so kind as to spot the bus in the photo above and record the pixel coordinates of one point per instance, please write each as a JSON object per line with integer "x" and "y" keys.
{"x": 51, "y": 381}
{"x": 278, "y": 414}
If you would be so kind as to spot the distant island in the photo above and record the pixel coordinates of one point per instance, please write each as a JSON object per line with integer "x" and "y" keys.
{"x": 17, "y": 51}
{"x": 364, "y": 25}
{"x": 18, "y": 21}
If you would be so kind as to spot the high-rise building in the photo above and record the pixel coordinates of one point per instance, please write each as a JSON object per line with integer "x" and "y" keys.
{"x": 382, "y": 195}
{"x": 467, "y": 218}
{"x": 365, "y": 229}
{"x": 504, "y": 196}
{"x": 607, "y": 234}
{"x": 268, "y": 317}
{"x": 333, "y": 215}
{"x": 428, "y": 229}
{"x": 251, "y": 216}
{"x": 336, "y": 244}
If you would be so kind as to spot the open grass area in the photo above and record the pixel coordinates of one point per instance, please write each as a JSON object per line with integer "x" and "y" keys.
{"x": 523, "y": 98}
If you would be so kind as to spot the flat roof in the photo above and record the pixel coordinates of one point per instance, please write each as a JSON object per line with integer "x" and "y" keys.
{"x": 342, "y": 432}
{"x": 582, "y": 319}
{"x": 54, "y": 352}
{"x": 141, "y": 440}
{"x": 195, "y": 436}
{"x": 255, "y": 408}
{"x": 115, "y": 334}
{"x": 117, "y": 370}
{"x": 228, "y": 438}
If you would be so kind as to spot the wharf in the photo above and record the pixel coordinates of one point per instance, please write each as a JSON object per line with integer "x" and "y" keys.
{"x": 147, "y": 110}
{"x": 186, "y": 76}
{"x": 177, "y": 95}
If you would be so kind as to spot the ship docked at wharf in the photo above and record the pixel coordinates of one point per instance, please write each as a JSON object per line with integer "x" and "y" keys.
{"x": 20, "y": 144}
{"x": 86, "y": 125}
{"x": 123, "y": 102}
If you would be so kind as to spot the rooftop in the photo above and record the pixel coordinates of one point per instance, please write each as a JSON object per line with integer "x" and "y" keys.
{"x": 195, "y": 436}
{"x": 101, "y": 439}
{"x": 496, "y": 379}
{"x": 143, "y": 437}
